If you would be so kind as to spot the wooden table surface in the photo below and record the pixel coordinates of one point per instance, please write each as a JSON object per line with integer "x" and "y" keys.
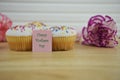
{"x": 81, "y": 63}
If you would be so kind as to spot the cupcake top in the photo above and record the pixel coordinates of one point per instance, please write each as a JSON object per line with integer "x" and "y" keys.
{"x": 19, "y": 30}
{"x": 35, "y": 24}
{"x": 62, "y": 31}
{"x": 24, "y": 30}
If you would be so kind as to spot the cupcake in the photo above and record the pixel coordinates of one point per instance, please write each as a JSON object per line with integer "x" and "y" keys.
{"x": 63, "y": 38}
{"x": 19, "y": 38}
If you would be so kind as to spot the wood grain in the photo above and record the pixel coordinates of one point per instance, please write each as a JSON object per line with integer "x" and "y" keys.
{"x": 81, "y": 63}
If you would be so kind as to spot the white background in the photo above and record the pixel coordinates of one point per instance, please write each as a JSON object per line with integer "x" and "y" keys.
{"x": 59, "y": 12}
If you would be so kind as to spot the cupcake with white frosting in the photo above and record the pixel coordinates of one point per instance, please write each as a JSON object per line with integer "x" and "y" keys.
{"x": 19, "y": 38}
{"x": 63, "y": 38}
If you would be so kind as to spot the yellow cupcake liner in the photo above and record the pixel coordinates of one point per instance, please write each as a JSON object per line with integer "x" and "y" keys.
{"x": 63, "y": 43}
{"x": 20, "y": 43}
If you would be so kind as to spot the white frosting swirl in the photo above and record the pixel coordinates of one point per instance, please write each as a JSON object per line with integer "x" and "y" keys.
{"x": 62, "y": 31}
{"x": 57, "y": 31}
{"x": 19, "y": 30}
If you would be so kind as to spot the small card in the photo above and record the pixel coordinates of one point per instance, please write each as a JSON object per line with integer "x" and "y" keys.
{"x": 42, "y": 41}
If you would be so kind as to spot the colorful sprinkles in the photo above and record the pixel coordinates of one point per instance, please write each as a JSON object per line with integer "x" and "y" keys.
{"x": 62, "y": 29}
{"x": 56, "y": 30}
{"x": 35, "y": 24}
{"x": 18, "y": 27}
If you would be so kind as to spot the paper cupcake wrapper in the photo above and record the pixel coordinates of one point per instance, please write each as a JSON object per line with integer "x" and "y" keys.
{"x": 63, "y": 43}
{"x": 20, "y": 43}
